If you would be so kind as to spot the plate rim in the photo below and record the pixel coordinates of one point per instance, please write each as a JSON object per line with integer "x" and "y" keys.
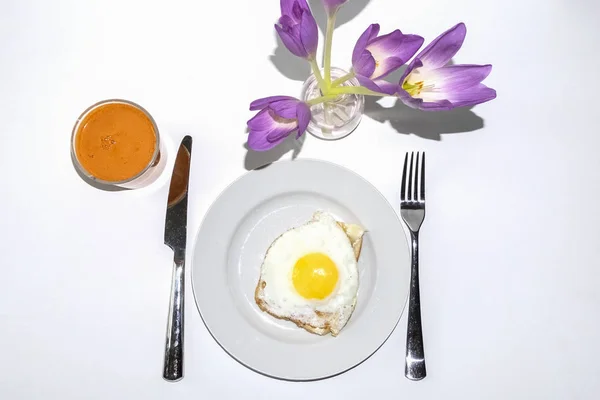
{"x": 245, "y": 363}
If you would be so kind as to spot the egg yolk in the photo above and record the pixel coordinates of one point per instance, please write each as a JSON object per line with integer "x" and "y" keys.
{"x": 315, "y": 276}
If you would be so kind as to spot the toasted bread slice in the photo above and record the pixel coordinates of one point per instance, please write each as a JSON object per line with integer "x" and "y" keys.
{"x": 355, "y": 233}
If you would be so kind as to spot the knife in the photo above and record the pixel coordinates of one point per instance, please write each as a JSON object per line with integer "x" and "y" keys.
{"x": 175, "y": 238}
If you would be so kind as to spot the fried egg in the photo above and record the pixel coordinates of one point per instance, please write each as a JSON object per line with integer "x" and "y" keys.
{"x": 309, "y": 275}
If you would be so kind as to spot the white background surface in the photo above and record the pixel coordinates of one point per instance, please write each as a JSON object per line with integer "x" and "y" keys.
{"x": 509, "y": 246}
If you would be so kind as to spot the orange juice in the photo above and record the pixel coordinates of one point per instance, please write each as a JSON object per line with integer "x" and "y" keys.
{"x": 115, "y": 141}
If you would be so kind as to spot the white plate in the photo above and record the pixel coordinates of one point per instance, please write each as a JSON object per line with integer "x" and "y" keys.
{"x": 232, "y": 241}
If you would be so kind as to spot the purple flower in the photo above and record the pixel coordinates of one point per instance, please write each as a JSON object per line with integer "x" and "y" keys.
{"x": 430, "y": 84}
{"x": 278, "y": 117}
{"x": 297, "y": 28}
{"x": 331, "y": 6}
{"x": 375, "y": 57}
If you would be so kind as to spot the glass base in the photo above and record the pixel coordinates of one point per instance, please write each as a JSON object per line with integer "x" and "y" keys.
{"x": 337, "y": 118}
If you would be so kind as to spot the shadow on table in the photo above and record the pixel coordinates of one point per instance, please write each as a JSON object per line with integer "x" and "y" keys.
{"x": 297, "y": 69}
{"x": 262, "y": 159}
{"x": 288, "y": 64}
{"x": 426, "y": 124}
{"x": 345, "y": 14}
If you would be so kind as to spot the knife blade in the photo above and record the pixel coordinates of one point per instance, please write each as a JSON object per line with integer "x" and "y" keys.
{"x": 175, "y": 238}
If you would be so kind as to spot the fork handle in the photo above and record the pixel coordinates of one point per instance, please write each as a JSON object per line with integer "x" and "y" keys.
{"x": 415, "y": 355}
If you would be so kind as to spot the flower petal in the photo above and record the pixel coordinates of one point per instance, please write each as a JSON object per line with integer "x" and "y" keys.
{"x": 331, "y": 6}
{"x": 294, "y": 31}
{"x": 408, "y": 99}
{"x": 278, "y": 134}
{"x": 304, "y": 4}
{"x": 294, "y": 45}
{"x": 387, "y": 87}
{"x": 474, "y": 95}
{"x": 365, "y": 65}
{"x": 303, "y": 115}
{"x": 377, "y": 86}
{"x": 265, "y": 132}
{"x": 449, "y": 82}
{"x": 367, "y": 82}
{"x": 440, "y": 105}
{"x": 262, "y": 121}
{"x": 410, "y": 45}
{"x": 444, "y": 47}
{"x": 286, "y": 22}
{"x": 394, "y": 45}
{"x": 460, "y": 77}
{"x": 361, "y": 44}
{"x": 309, "y": 33}
{"x": 414, "y": 64}
{"x": 296, "y": 12}
{"x": 259, "y": 104}
{"x": 285, "y": 108}
{"x": 469, "y": 97}
{"x": 287, "y": 7}
{"x": 419, "y": 104}
{"x": 386, "y": 67}
{"x": 259, "y": 127}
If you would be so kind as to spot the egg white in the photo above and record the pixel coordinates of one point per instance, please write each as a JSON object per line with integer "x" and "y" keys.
{"x": 321, "y": 235}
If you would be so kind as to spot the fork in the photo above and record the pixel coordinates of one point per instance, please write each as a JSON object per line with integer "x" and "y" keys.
{"x": 412, "y": 210}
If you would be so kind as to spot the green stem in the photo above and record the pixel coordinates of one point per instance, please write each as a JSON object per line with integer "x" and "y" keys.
{"x": 322, "y": 99}
{"x": 328, "y": 43}
{"x": 317, "y": 74}
{"x": 343, "y": 79}
{"x": 355, "y": 90}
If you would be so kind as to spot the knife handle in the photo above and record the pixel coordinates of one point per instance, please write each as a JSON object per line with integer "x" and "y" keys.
{"x": 173, "y": 364}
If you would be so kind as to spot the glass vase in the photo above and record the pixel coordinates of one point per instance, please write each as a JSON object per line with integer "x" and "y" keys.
{"x": 337, "y": 118}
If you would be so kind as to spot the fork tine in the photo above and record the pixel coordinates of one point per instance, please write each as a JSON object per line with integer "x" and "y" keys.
{"x": 410, "y": 176}
{"x": 423, "y": 178}
{"x": 403, "y": 187}
{"x": 417, "y": 170}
